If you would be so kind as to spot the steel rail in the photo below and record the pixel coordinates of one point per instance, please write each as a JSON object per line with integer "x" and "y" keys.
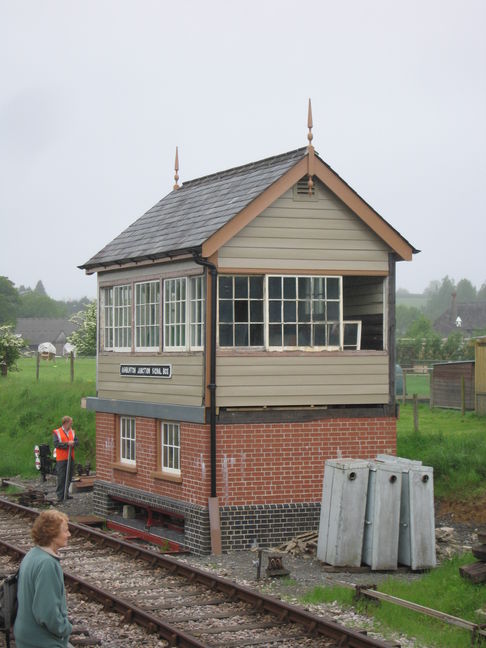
{"x": 312, "y": 624}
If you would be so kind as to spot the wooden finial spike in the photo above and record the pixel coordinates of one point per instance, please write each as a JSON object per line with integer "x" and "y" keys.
{"x": 176, "y": 168}
{"x": 309, "y": 123}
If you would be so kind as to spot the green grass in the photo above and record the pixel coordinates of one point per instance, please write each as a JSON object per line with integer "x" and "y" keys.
{"x": 454, "y": 445}
{"x": 31, "y": 410}
{"x": 443, "y": 589}
{"x": 417, "y": 384}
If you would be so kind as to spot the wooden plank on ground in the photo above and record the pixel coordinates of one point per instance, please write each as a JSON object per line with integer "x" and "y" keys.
{"x": 475, "y": 572}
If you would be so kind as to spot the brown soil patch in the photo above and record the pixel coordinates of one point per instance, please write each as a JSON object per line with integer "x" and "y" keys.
{"x": 473, "y": 510}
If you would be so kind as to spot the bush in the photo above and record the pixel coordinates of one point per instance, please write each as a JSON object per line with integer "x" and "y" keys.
{"x": 10, "y": 346}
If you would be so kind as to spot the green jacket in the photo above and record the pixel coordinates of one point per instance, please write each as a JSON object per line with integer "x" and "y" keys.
{"x": 42, "y": 618}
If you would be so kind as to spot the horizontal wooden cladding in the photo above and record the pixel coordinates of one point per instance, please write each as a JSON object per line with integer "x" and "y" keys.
{"x": 185, "y": 387}
{"x": 302, "y": 379}
{"x": 294, "y": 234}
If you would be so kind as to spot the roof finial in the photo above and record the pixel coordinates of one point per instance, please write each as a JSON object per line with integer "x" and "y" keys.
{"x": 310, "y": 151}
{"x": 176, "y": 168}
{"x": 309, "y": 124}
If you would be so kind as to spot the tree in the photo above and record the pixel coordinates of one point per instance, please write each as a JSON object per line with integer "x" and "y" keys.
{"x": 481, "y": 296}
{"x": 466, "y": 292}
{"x": 84, "y": 339}
{"x": 405, "y": 317}
{"x": 33, "y": 304}
{"x": 10, "y": 346}
{"x": 39, "y": 288}
{"x": 439, "y": 298}
{"x": 9, "y": 301}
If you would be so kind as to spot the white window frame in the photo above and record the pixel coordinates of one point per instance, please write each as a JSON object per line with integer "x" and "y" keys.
{"x": 170, "y": 445}
{"x": 312, "y": 322}
{"x": 196, "y": 313}
{"x": 356, "y": 345}
{"x": 249, "y": 322}
{"x": 147, "y": 314}
{"x": 107, "y": 312}
{"x": 184, "y": 313}
{"x": 128, "y": 440}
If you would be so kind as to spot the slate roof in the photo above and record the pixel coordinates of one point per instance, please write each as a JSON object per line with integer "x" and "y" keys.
{"x": 187, "y": 217}
{"x": 472, "y": 314}
{"x": 36, "y": 330}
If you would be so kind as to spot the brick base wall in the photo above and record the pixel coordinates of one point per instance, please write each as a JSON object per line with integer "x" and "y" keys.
{"x": 269, "y": 475}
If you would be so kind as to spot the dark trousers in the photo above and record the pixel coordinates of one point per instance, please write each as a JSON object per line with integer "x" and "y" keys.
{"x": 61, "y": 469}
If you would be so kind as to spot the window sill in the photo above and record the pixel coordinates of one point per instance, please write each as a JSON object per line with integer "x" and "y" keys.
{"x": 177, "y": 479}
{"x": 124, "y": 467}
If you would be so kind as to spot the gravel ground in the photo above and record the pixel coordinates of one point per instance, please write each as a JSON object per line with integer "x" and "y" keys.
{"x": 305, "y": 572}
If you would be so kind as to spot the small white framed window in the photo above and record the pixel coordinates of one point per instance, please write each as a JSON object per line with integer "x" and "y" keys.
{"x": 107, "y": 310}
{"x": 122, "y": 318}
{"x": 171, "y": 448}
{"x": 175, "y": 314}
{"x": 128, "y": 439}
{"x": 147, "y": 316}
{"x": 196, "y": 314}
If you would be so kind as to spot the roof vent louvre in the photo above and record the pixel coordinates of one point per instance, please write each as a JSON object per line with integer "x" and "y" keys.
{"x": 301, "y": 190}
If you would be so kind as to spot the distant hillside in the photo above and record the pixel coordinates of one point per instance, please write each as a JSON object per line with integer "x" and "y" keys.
{"x": 409, "y": 299}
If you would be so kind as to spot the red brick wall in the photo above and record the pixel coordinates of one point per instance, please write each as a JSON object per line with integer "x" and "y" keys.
{"x": 256, "y": 464}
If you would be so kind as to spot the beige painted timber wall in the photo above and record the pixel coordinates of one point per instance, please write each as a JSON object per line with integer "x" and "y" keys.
{"x": 306, "y": 234}
{"x": 363, "y": 296}
{"x": 280, "y": 379}
{"x": 186, "y": 387}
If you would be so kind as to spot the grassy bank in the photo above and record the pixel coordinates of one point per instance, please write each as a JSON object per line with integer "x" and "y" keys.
{"x": 454, "y": 445}
{"x": 30, "y": 410}
{"x": 442, "y": 589}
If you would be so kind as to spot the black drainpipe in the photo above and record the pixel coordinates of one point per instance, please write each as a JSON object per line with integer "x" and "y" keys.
{"x": 212, "y": 367}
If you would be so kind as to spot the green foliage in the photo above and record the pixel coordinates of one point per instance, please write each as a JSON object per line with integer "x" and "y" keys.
{"x": 34, "y": 304}
{"x": 405, "y": 317}
{"x": 10, "y": 346}
{"x": 30, "y": 410}
{"x": 84, "y": 338}
{"x": 454, "y": 445}
{"x": 9, "y": 301}
{"x": 439, "y": 297}
{"x": 465, "y": 291}
{"x": 481, "y": 296}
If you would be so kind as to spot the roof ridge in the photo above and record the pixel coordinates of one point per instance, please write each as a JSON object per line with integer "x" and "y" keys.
{"x": 249, "y": 165}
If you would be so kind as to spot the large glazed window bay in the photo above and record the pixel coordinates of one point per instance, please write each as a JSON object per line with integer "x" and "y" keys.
{"x": 278, "y": 311}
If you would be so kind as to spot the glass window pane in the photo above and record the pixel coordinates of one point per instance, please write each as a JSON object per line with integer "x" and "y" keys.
{"x": 290, "y": 335}
{"x": 289, "y": 288}
{"x": 274, "y": 287}
{"x": 333, "y": 311}
{"x": 256, "y": 311}
{"x": 304, "y": 287}
{"x": 256, "y": 334}
{"x": 332, "y": 288}
{"x": 304, "y": 311}
{"x": 226, "y": 287}
{"x": 333, "y": 335}
{"x": 241, "y": 311}
{"x": 225, "y": 311}
{"x": 319, "y": 288}
{"x": 304, "y": 335}
{"x": 241, "y": 334}
{"x": 241, "y": 287}
{"x": 320, "y": 335}
{"x": 275, "y": 335}
{"x": 290, "y": 311}
{"x": 225, "y": 335}
{"x": 256, "y": 287}
{"x": 275, "y": 311}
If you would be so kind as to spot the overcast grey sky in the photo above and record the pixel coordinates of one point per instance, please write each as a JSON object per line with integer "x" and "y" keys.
{"x": 96, "y": 94}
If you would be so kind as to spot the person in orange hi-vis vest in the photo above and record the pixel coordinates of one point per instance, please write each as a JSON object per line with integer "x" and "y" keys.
{"x": 65, "y": 440}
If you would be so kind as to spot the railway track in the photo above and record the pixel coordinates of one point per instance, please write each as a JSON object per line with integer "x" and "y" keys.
{"x": 176, "y": 604}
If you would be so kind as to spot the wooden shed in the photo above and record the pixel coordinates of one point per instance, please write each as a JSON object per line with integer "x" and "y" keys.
{"x": 480, "y": 376}
{"x": 446, "y": 384}
{"x": 246, "y": 335}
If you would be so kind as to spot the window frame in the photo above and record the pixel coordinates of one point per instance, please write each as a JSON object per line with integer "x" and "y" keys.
{"x": 128, "y": 440}
{"x": 247, "y": 299}
{"x": 170, "y": 426}
{"x": 139, "y": 327}
{"x": 193, "y": 299}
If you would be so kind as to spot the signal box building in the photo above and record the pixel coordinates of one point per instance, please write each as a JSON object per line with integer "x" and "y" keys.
{"x": 246, "y": 335}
